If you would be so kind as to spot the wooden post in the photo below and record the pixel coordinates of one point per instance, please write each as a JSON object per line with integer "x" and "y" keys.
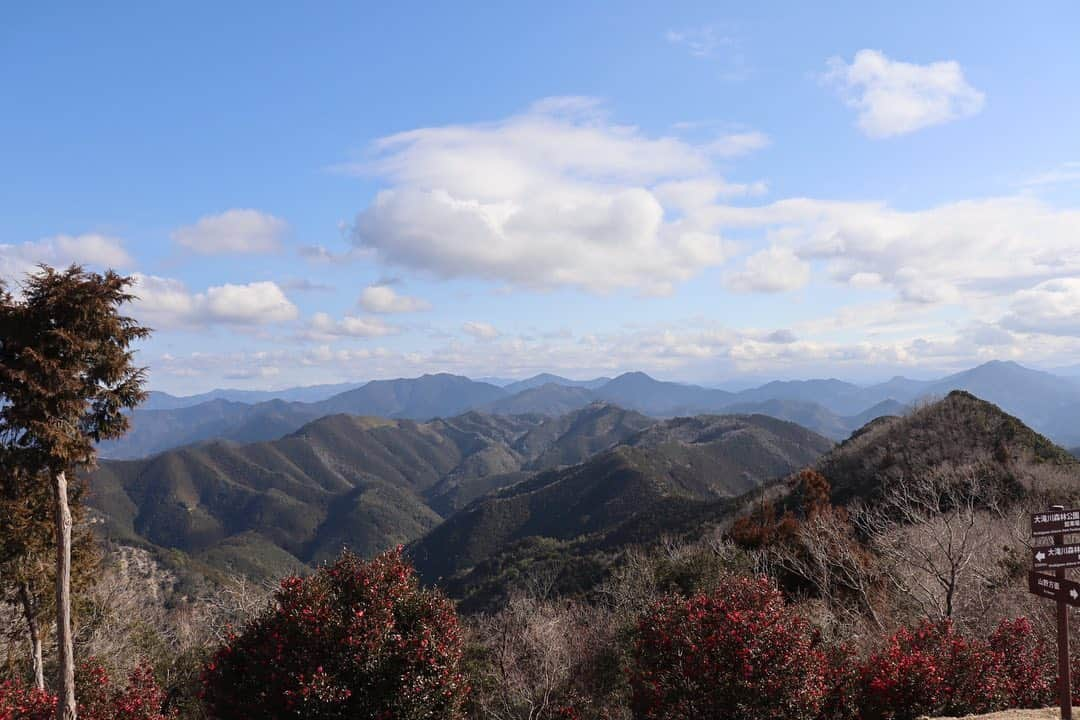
{"x": 1064, "y": 679}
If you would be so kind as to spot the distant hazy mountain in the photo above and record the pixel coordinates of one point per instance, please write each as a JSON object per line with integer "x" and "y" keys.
{"x": 549, "y": 399}
{"x": 155, "y": 430}
{"x": 427, "y": 396}
{"x": 1049, "y": 403}
{"x": 638, "y": 391}
{"x": 549, "y": 379}
{"x": 818, "y": 418}
{"x": 419, "y": 398}
{"x": 311, "y": 393}
{"x": 1046, "y": 402}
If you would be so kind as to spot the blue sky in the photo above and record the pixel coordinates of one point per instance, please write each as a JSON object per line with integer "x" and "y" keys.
{"x": 703, "y": 191}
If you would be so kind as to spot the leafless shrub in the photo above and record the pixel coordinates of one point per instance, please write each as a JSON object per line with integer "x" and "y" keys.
{"x": 935, "y": 536}
{"x": 532, "y": 651}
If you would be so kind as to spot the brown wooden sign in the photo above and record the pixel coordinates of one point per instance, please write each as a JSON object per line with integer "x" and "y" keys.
{"x": 1055, "y": 522}
{"x": 1053, "y": 588}
{"x": 1054, "y": 557}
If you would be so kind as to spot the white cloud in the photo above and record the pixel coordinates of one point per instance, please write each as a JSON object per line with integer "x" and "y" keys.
{"x": 384, "y": 299}
{"x": 963, "y": 251}
{"x": 775, "y": 269}
{"x": 165, "y": 302}
{"x": 233, "y": 232}
{"x": 480, "y": 330}
{"x": 1051, "y": 308}
{"x": 737, "y": 144}
{"x": 557, "y": 196}
{"x": 325, "y": 328}
{"x": 91, "y": 249}
{"x": 895, "y": 98}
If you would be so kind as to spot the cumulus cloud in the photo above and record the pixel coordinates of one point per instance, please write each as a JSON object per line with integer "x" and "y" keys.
{"x": 775, "y": 269}
{"x": 480, "y": 330}
{"x": 895, "y": 98}
{"x": 1051, "y": 307}
{"x": 324, "y": 328}
{"x": 233, "y": 232}
{"x": 556, "y": 196}
{"x": 90, "y": 249}
{"x": 958, "y": 251}
{"x": 384, "y": 299}
{"x": 166, "y": 302}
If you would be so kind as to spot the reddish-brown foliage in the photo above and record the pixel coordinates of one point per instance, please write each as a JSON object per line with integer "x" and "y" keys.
{"x": 354, "y": 640}
{"x": 99, "y": 699}
{"x": 932, "y": 670}
{"x": 738, "y": 652}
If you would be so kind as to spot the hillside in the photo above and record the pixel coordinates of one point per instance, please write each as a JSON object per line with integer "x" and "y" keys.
{"x": 1048, "y": 403}
{"x": 540, "y": 526}
{"x": 368, "y": 483}
{"x": 677, "y": 466}
{"x": 958, "y": 429}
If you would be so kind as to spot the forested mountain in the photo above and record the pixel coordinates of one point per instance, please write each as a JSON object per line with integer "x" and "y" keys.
{"x": 366, "y": 483}
{"x": 536, "y": 527}
{"x": 633, "y": 492}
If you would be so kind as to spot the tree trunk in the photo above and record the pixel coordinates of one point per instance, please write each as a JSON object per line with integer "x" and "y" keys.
{"x": 30, "y": 615}
{"x": 65, "y": 687}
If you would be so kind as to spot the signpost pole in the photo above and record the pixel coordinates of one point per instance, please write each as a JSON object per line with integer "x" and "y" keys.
{"x": 1064, "y": 680}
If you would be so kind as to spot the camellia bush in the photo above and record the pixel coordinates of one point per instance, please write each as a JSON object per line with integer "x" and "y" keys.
{"x": 354, "y": 640}
{"x": 932, "y": 669}
{"x": 738, "y": 652}
{"x": 99, "y": 699}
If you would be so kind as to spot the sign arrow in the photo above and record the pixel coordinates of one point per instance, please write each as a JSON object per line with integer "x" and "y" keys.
{"x": 1054, "y": 588}
{"x": 1055, "y": 557}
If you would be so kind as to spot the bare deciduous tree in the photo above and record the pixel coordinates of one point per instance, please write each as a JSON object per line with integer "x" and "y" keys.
{"x": 842, "y": 573}
{"x": 932, "y": 534}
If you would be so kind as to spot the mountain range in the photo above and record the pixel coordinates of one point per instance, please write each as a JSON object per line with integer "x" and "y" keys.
{"x": 833, "y": 408}
{"x": 264, "y": 508}
{"x": 485, "y": 500}
{"x": 575, "y": 523}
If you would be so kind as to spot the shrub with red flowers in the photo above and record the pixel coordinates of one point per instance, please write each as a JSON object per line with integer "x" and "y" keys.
{"x": 354, "y": 640}
{"x": 99, "y": 699}
{"x": 737, "y": 652}
{"x": 932, "y": 670}
{"x": 19, "y": 702}
{"x": 1026, "y": 667}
